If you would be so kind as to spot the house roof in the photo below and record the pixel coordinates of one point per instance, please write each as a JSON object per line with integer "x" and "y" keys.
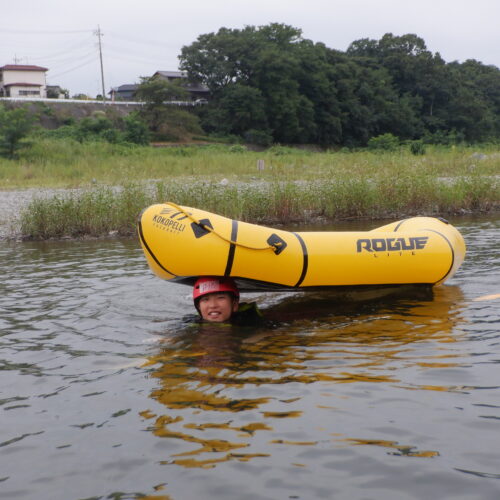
{"x": 22, "y": 67}
{"x": 22, "y": 84}
{"x": 172, "y": 74}
{"x": 126, "y": 87}
{"x": 193, "y": 87}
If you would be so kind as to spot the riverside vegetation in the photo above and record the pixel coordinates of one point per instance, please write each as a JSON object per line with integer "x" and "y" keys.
{"x": 111, "y": 183}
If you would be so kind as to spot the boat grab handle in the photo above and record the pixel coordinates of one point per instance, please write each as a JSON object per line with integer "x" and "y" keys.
{"x": 277, "y": 245}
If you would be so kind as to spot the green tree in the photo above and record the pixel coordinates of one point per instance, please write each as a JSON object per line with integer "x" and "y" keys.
{"x": 401, "y": 55}
{"x": 15, "y": 125}
{"x": 310, "y": 93}
{"x": 275, "y": 76}
{"x": 164, "y": 118}
{"x": 136, "y": 131}
{"x": 474, "y": 106}
{"x": 459, "y": 100}
{"x": 95, "y": 127}
{"x": 239, "y": 109}
{"x": 368, "y": 101}
{"x": 155, "y": 91}
{"x": 264, "y": 59}
{"x": 316, "y": 79}
{"x": 417, "y": 75}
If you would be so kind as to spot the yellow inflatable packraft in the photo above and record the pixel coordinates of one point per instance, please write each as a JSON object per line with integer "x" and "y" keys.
{"x": 181, "y": 243}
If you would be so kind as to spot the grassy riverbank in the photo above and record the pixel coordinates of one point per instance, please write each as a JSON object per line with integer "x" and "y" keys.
{"x": 69, "y": 164}
{"x": 114, "y": 183}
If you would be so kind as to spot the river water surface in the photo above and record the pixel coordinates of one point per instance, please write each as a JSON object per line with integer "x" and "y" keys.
{"x": 105, "y": 393}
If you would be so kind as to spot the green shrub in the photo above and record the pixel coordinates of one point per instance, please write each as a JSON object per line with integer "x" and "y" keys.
{"x": 94, "y": 126}
{"x": 63, "y": 132}
{"x": 136, "y": 131}
{"x": 225, "y": 138}
{"x": 417, "y": 148}
{"x": 444, "y": 137}
{"x": 282, "y": 150}
{"x": 258, "y": 137}
{"x": 112, "y": 135}
{"x": 169, "y": 123}
{"x": 15, "y": 125}
{"x": 237, "y": 148}
{"x": 384, "y": 142}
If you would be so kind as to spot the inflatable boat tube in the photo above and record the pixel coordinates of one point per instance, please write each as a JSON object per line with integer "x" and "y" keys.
{"x": 181, "y": 243}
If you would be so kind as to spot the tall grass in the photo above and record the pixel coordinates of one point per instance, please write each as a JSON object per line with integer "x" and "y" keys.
{"x": 115, "y": 182}
{"x": 68, "y": 163}
{"x": 93, "y": 212}
{"x": 101, "y": 210}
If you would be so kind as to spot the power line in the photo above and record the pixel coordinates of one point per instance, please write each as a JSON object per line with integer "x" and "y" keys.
{"x": 73, "y": 69}
{"x": 48, "y": 55}
{"x": 69, "y": 51}
{"x": 41, "y": 32}
{"x": 128, "y": 49}
{"x": 64, "y": 62}
{"x": 56, "y": 55}
{"x": 127, "y": 57}
{"x": 141, "y": 41}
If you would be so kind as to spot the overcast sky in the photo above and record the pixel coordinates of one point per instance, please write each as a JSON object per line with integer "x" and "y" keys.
{"x": 141, "y": 37}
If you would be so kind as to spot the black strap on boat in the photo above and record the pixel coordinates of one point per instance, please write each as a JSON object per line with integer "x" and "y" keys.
{"x": 451, "y": 249}
{"x": 232, "y": 247}
{"x": 146, "y": 246}
{"x": 442, "y": 236}
{"x": 305, "y": 260}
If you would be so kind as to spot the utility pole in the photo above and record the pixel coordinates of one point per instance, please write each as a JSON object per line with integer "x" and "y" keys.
{"x": 99, "y": 34}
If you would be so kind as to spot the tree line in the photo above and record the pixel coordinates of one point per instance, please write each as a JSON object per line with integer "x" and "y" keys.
{"x": 269, "y": 84}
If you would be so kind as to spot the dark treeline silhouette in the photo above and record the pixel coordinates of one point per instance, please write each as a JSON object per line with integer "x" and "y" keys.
{"x": 268, "y": 84}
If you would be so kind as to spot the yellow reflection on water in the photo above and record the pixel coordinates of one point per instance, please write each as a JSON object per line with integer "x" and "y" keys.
{"x": 253, "y": 377}
{"x": 402, "y": 450}
{"x": 210, "y": 463}
{"x": 296, "y": 443}
{"x": 281, "y": 414}
{"x": 250, "y": 428}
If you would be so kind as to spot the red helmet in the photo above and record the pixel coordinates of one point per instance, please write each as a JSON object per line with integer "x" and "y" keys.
{"x": 214, "y": 284}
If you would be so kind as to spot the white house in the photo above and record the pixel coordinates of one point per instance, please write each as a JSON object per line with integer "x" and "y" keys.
{"x": 18, "y": 80}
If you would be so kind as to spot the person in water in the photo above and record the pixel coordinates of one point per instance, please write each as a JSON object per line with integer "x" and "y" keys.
{"x": 217, "y": 300}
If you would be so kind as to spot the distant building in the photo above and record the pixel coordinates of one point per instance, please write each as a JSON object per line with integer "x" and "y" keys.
{"x": 124, "y": 92}
{"x": 196, "y": 90}
{"x": 56, "y": 92}
{"x": 171, "y": 75}
{"x": 22, "y": 80}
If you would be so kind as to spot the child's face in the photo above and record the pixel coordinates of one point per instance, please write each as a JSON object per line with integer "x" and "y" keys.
{"x": 217, "y": 307}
